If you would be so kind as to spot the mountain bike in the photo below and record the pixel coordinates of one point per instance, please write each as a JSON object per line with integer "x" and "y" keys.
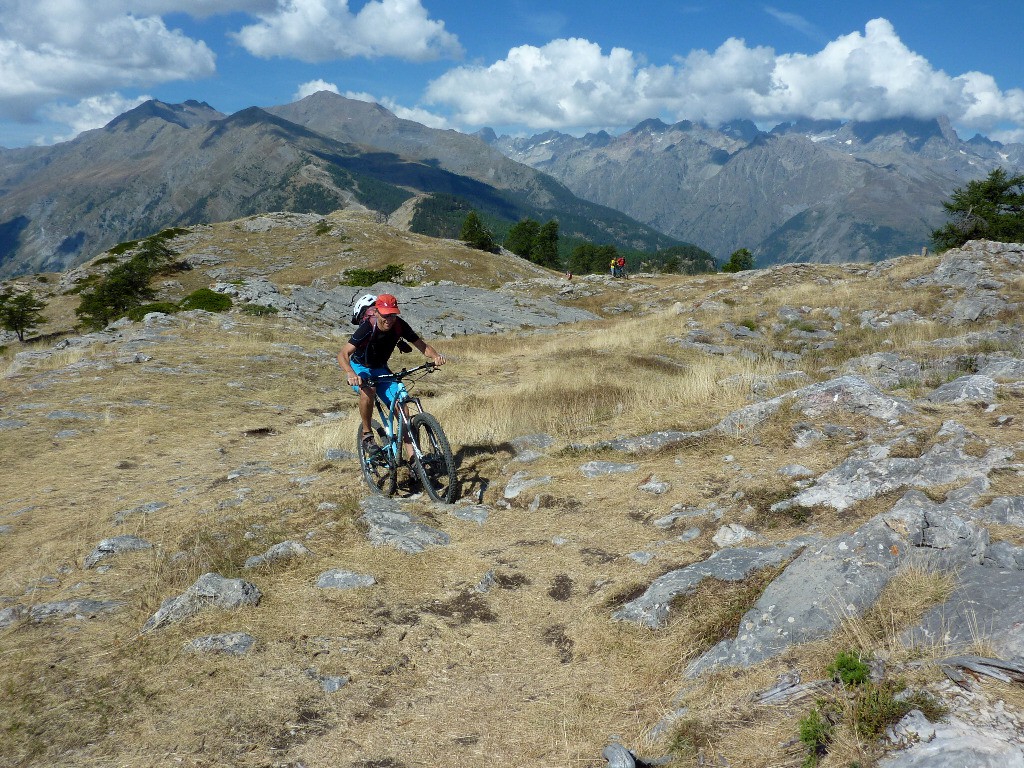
{"x": 431, "y": 461}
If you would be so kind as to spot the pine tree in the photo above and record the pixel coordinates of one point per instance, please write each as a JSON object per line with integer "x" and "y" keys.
{"x": 740, "y": 261}
{"x": 545, "y": 248}
{"x": 20, "y": 312}
{"x": 522, "y": 237}
{"x": 475, "y": 234}
{"x": 990, "y": 208}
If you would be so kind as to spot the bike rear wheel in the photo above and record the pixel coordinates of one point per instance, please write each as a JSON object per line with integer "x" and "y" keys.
{"x": 436, "y": 470}
{"x": 379, "y": 468}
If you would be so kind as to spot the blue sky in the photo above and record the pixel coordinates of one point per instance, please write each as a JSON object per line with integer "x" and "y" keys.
{"x": 518, "y": 66}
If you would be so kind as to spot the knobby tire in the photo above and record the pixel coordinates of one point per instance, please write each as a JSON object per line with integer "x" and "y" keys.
{"x": 379, "y": 470}
{"x": 437, "y": 470}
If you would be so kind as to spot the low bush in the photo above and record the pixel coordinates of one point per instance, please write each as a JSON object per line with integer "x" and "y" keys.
{"x": 258, "y": 310}
{"x": 849, "y": 669}
{"x": 137, "y": 313}
{"x": 207, "y": 300}
{"x": 366, "y": 277}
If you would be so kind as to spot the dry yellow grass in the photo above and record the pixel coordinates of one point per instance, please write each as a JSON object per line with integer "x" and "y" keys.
{"x": 229, "y": 428}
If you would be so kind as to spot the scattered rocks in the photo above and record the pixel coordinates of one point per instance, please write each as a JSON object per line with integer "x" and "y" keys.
{"x": 211, "y": 590}
{"x": 388, "y": 525}
{"x": 652, "y": 607}
{"x": 286, "y": 550}
{"x": 520, "y": 482}
{"x": 966, "y": 389}
{"x": 601, "y": 468}
{"x": 342, "y": 579}
{"x": 115, "y": 546}
{"x": 143, "y": 509}
{"x": 732, "y": 534}
{"x": 230, "y": 643}
{"x": 863, "y": 476}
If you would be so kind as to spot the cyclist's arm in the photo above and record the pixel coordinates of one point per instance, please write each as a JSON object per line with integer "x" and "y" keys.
{"x": 344, "y": 360}
{"x": 429, "y": 351}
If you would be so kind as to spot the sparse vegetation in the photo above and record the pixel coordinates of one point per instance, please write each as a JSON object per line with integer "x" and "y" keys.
{"x": 207, "y": 300}
{"x": 392, "y": 273}
{"x": 243, "y": 428}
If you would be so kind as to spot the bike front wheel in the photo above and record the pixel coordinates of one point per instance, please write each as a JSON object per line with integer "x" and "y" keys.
{"x": 436, "y": 470}
{"x": 379, "y": 468}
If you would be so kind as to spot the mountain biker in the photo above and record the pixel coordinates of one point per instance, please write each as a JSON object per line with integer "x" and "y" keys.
{"x": 366, "y": 355}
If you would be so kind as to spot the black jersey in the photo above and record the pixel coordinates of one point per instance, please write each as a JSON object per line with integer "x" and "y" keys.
{"x": 374, "y": 346}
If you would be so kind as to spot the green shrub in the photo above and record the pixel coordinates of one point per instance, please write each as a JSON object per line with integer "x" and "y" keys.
{"x": 105, "y": 260}
{"x": 323, "y": 228}
{"x": 366, "y": 277}
{"x": 258, "y": 310}
{"x": 137, "y": 313}
{"x": 207, "y": 300}
{"x": 875, "y": 707}
{"x": 124, "y": 247}
{"x": 849, "y": 669}
{"x": 816, "y": 733}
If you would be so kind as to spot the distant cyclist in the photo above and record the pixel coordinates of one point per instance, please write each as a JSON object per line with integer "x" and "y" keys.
{"x": 367, "y": 352}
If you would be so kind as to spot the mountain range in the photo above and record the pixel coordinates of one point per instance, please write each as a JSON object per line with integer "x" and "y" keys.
{"x": 162, "y": 165}
{"x": 805, "y": 191}
{"x": 809, "y": 190}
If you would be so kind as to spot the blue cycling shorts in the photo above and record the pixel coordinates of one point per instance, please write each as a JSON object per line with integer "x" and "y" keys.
{"x": 389, "y": 391}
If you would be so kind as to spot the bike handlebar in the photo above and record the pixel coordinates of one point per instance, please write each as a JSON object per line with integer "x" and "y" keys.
{"x": 430, "y": 365}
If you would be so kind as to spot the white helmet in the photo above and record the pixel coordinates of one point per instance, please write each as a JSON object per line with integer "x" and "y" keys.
{"x": 362, "y": 304}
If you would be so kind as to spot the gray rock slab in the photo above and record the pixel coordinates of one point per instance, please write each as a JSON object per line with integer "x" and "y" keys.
{"x": 601, "y": 468}
{"x": 683, "y": 512}
{"x": 230, "y": 643}
{"x": 863, "y": 477}
{"x": 7, "y": 424}
{"x": 211, "y": 590}
{"x": 953, "y": 743}
{"x": 338, "y": 578}
{"x": 651, "y": 609}
{"x": 388, "y": 525}
{"x": 732, "y": 534}
{"x": 328, "y": 683}
{"x": 1005, "y": 510}
{"x": 472, "y": 513}
{"x": 79, "y": 609}
{"x": 115, "y": 546}
{"x": 988, "y": 605}
{"x": 521, "y": 482}
{"x": 1004, "y": 370}
{"x": 842, "y": 577}
{"x": 655, "y": 486}
{"x": 143, "y": 509}
{"x": 655, "y": 441}
{"x": 966, "y": 389}
{"x": 884, "y": 369}
{"x": 285, "y": 550}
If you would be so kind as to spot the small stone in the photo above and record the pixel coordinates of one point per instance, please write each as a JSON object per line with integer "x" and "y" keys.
{"x": 341, "y": 579}
{"x": 231, "y": 643}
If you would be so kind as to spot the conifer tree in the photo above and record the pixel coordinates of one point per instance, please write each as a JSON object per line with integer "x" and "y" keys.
{"x": 20, "y": 312}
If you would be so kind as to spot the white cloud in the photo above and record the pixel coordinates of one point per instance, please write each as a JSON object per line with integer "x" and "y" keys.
{"x": 416, "y": 114}
{"x": 572, "y": 85}
{"x": 89, "y": 113}
{"x": 323, "y": 30}
{"x": 61, "y": 49}
{"x": 313, "y": 86}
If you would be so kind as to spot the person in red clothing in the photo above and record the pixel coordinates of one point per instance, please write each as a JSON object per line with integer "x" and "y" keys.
{"x": 366, "y": 356}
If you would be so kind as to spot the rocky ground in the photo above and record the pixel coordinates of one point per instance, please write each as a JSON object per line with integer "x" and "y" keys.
{"x": 193, "y": 573}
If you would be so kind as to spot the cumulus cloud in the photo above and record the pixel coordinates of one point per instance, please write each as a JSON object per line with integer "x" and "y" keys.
{"x": 89, "y": 113}
{"x": 572, "y": 85}
{"x": 322, "y": 30}
{"x": 416, "y": 114}
{"x": 313, "y": 86}
{"x": 65, "y": 49}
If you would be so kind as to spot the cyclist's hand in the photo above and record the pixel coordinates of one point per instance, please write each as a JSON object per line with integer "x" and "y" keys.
{"x": 354, "y": 380}
{"x": 439, "y": 359}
